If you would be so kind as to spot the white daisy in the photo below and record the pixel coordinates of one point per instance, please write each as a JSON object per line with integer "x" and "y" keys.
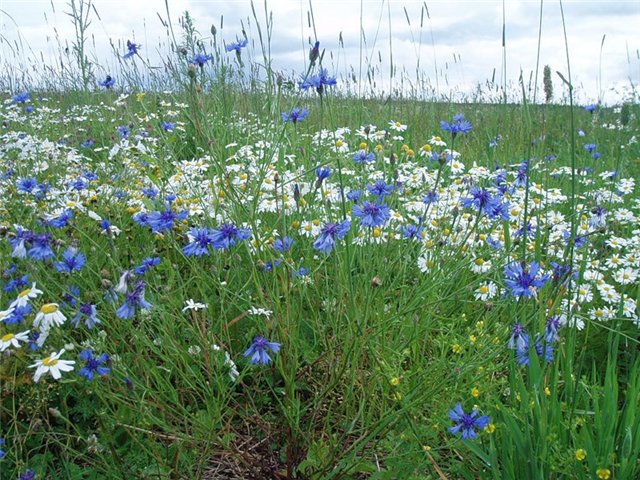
{"x": 53, "y": 365}
{"x": 11, "y": 339}
{"x": 191, "y": 305}
{"x": 48, "y": 315}
{"x": 24, "y": 296}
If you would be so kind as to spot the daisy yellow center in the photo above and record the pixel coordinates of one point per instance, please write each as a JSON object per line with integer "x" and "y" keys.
{"x": 24, "y": 293}
{"x": 50, "y": 362}
{"x": 49, "y": 308}
{"x": 339, "y": 143}
{"x": 479, "y": 261}
{"x": 8, "y": 337}
{"x": 484, "y": 289}
{"x": 398, "y": 124}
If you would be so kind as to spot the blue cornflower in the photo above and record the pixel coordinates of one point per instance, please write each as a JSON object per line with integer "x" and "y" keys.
{"x": 228, "y": 235}
{"x": 523, "y": 282}
{"x": 354, "y": 195}
{"x": 301, "y": 272}
{"x": 199, "y": 241}
{"x": 519, "y": 338}
{"x": 551, "y": 329}
{"x": 18, "y": 315}
{"x": 560, "y": 273}
{"x": 78, "y": 184}
{"x": 498, "y": 209}
{"x": 467, "y": 422}
{"x": 27, "y": 185}
{"x": 431, "y": 197}
{"x": 590, "y": 147}
{"x": 283, "y": 245}
{"x": 72, "y": 261}
{"x": 18, "y": 242}
{"x": 459, "y": 125}
{"x": 318, "y": 81}
{"x": 545, "y": 351}
{"x": 17, "y": 284}
{"x": 480, "y": 199}
{"x": 93, "y": 365}
{"x": 494, "y": 142}
{"x": 61, "y": 220}
{"x": 124, "y": 131}
{"x": 41, "y": 248}
{"x": 2, "y": 452}
{"x": 22, "y": 97}
{"x": 322, "y": 173}
{"x": 269, "y": 266}
{"x": 380, "y": 189}
{"x": 361, "y": 156}
{"x": 521, "y": 175}
{"x": 371, "y": 214}
{"x": 141, "y": 218}
{"x": 132, "y": 49}
{"x": 200, "y": 59}
{"x": 412, "y": 231}
{"x": 88, "y": 143}
{"x": 108, "y": 82}
{"x": 296, "y": 115}
{"x": 150, "y": 192}
{"x": 28, "y": 475}
{"x": 89, "y": 313}
{"x": 134, "y": 300}
{"x": 328, "y": 235}
{"x": 237, "y": 46}
{"x": 165, "y": 220}
{"x": 146, "y": 265}
{"x": 258, "y": 350}
{"x": 168, "y": 126}
{"x": 590, "y": 108}
{"x": 29, "y": 109}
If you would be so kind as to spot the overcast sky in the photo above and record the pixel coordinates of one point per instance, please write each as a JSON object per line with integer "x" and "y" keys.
{"x": 462, "y": 39}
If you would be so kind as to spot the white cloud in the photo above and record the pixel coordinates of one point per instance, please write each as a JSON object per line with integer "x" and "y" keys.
{"x": 469, "y": 30}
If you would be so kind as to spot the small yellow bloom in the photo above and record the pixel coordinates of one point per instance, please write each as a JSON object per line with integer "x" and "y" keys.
{"x": 472, "y": 339}
{"x": 547, "y": 391}
{"x": 475, "y": 393}
{"x": 397, "y": 396}
{"x": 581, "y": 454}
{"x": 603, "y": 473}
{"x": 140, "y": 96}
{"x": 363, "y": 146}
{"x": 395, "y": 381}
{"x": 426, "y": 448}
{"x": 456, "y": 348}
{"x": 490, "y": 428}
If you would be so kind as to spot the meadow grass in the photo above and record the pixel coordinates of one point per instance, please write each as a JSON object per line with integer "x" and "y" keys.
{"x": 391, "y": 267}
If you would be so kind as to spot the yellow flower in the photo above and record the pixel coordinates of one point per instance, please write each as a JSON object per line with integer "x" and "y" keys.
{"x": 456, "y": 348}
{"x": 603, "y": 473}
{"x": 140, "y": 96}
{"x": 475, "y": 392}
{"x": 490, "y": 428}
{"x": 581, "y": 454}
{"x": 395, "y": 381}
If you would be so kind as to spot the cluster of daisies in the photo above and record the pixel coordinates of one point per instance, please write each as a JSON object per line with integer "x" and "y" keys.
{"x": 370, "y": 189}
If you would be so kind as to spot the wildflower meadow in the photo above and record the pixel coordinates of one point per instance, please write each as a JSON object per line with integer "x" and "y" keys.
{"x": 221, "y": 270}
